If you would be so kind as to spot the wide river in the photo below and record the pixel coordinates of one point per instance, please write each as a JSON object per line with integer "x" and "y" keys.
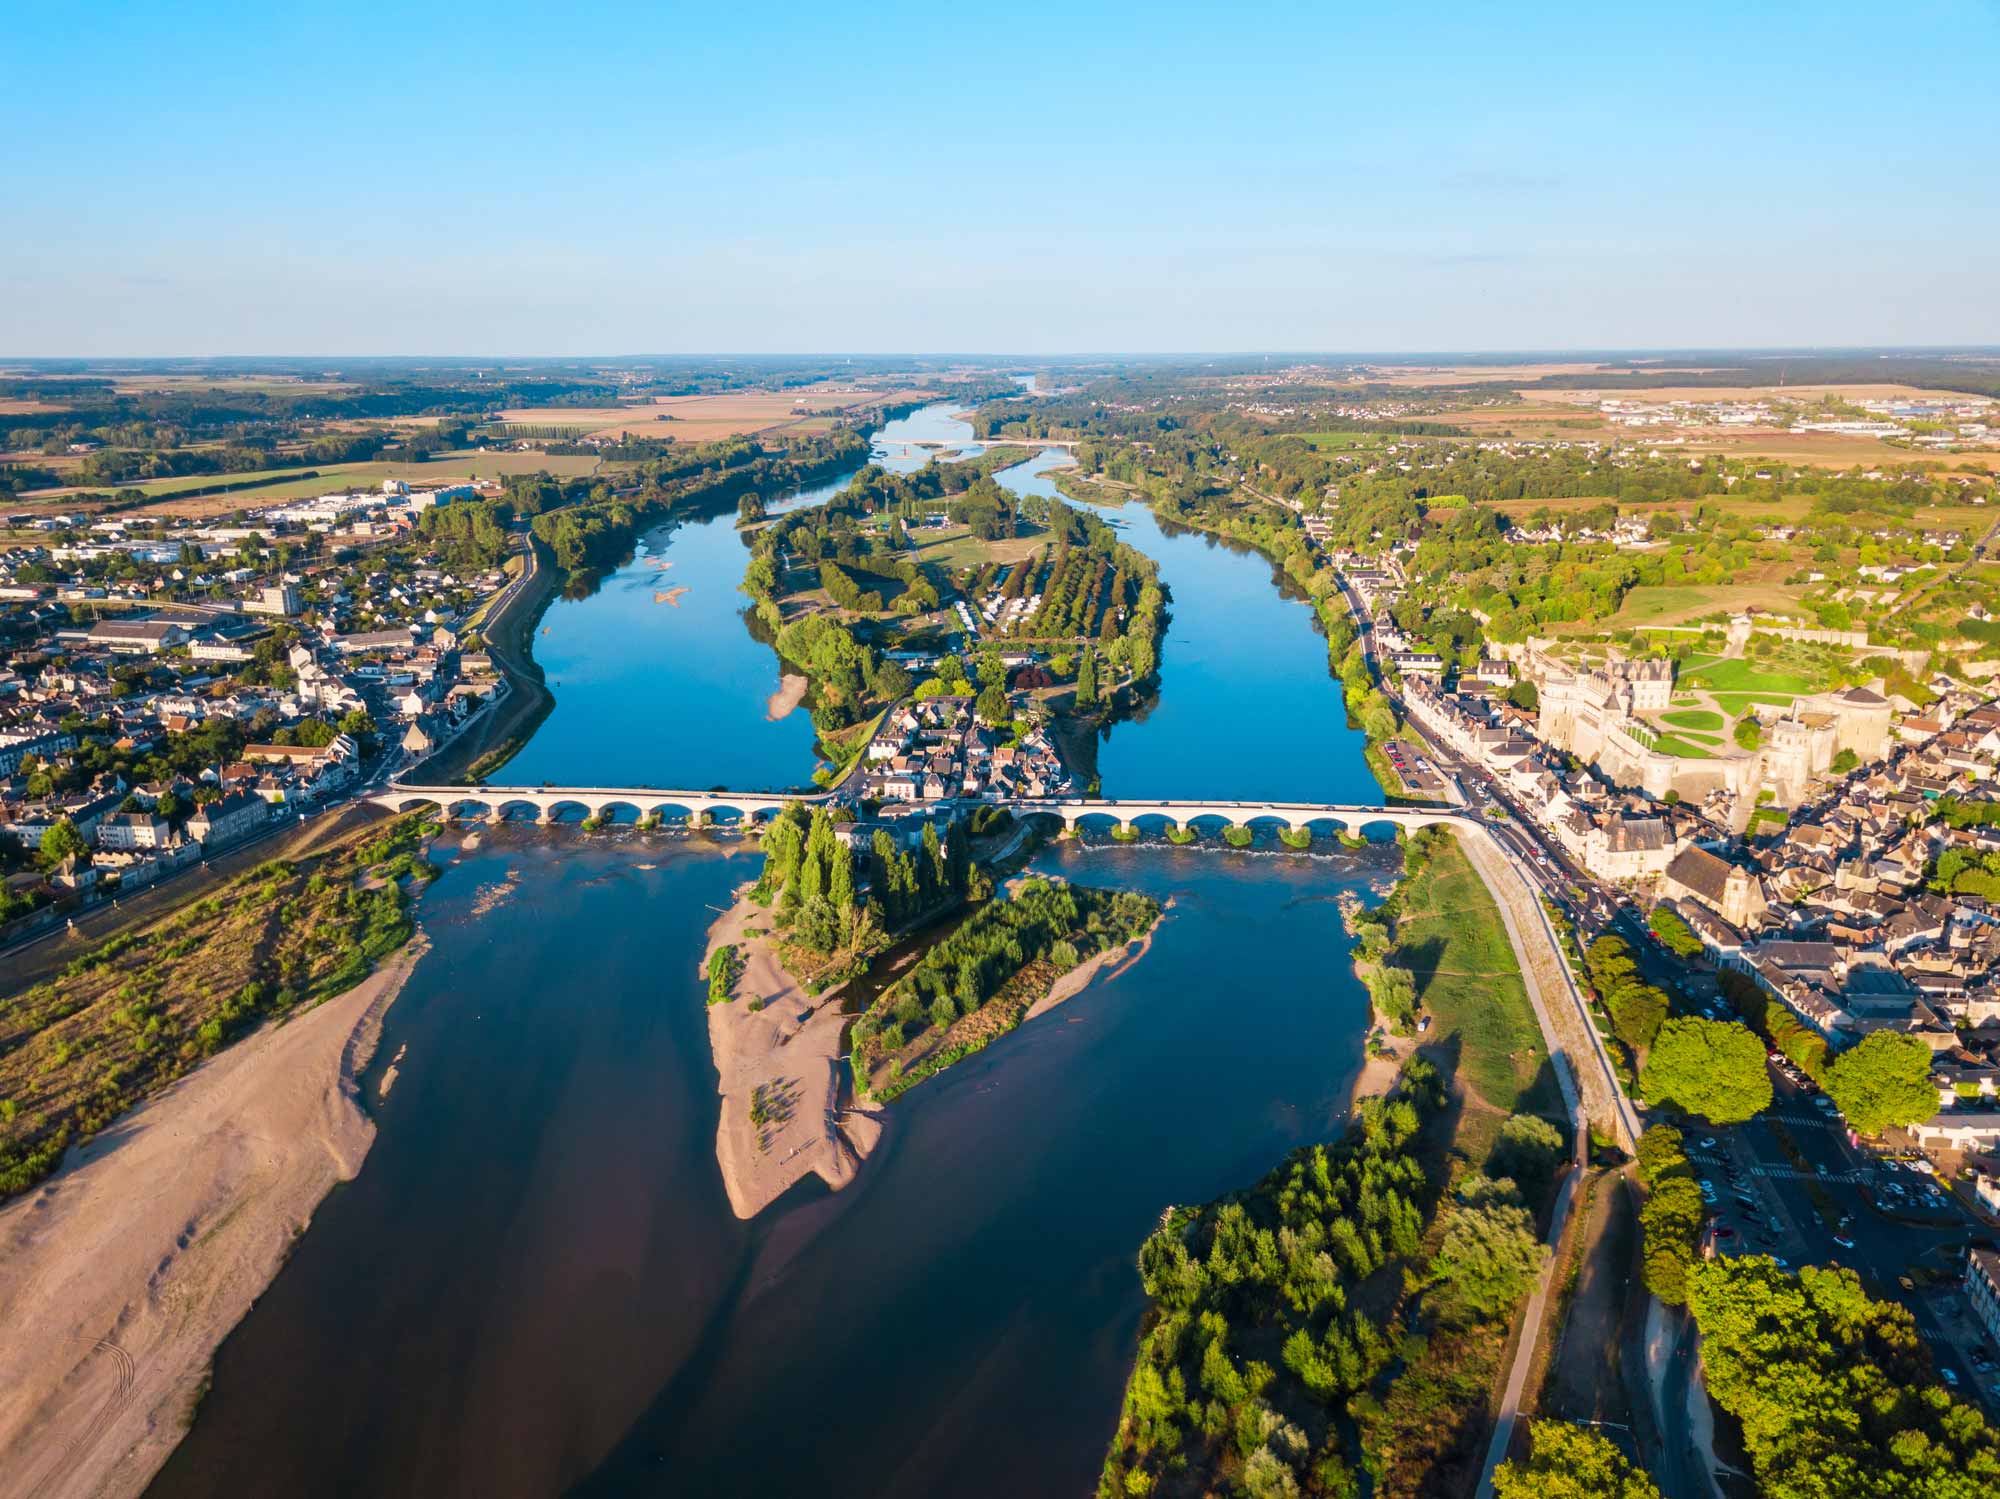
{"x": 536, "y": 1285}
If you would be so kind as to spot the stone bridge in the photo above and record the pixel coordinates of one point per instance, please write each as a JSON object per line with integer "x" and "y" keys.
{"x": 548, "y": 803}
{"x": 1296, "y": 816}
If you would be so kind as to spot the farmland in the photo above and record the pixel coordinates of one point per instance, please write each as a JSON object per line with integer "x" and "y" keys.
{"x": 707, "y": 418}
{"x": 173, "y": 497}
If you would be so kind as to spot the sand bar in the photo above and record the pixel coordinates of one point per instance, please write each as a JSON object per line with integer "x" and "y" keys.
{"x": 122, "y": 1273}
{"x": 791, "y": 692}
{"x": 790, "y": 1050}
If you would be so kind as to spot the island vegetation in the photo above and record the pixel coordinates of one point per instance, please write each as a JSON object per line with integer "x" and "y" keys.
{"x": 984, "y": 978}
{"x": 868, "y": 590}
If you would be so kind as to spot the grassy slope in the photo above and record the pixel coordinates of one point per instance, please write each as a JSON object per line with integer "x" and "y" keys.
{"x": 1450, "y": 935}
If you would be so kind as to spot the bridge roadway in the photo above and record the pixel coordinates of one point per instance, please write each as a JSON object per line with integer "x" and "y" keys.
{"x": 753, "y": 807}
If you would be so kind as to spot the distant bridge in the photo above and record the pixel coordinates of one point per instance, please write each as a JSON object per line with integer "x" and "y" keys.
{"x": 548, "y": 803}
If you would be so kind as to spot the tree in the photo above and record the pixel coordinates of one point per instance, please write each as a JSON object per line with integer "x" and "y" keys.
{"x": 1523, "y": 695}
{"x": 1570, "y": 1462}
{"x": 1884, "y": 1082}
{"x": 1489, "y": 1254}
{"x": 890, "y": 681}
{"x": 1672, "y": 928}
{"x": 62, "y": 841}
{"x": 1636, "y": 1013}
{"x": 1661, "y": 1155}
{"x": 992, "y": 706}
{"x": 1834, "y": 1389}
{"x": 1671, "y": 1221}
{"x": 1711, "y": 1068}
{"x": 1086, "y": 680}
{"x": 1748, "y": 732}
{"x": 1844, "y": 761}
{"x": 1394, "y": 990}
{"x": 1528, "y": 1150}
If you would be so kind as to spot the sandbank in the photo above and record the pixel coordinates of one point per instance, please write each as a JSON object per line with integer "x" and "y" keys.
{"x": 791, "y": 692}
{"x": 789, "y": 1052}
{"x": 122, "y": 1273}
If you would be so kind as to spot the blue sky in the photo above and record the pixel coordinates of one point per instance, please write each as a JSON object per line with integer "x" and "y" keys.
{"x": 588, "y": 178}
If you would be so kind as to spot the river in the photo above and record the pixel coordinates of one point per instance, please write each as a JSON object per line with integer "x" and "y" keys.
{"x": 678, "y": 693}
{"x": 657, "y": 678}
{"x": 536, "y": 1285}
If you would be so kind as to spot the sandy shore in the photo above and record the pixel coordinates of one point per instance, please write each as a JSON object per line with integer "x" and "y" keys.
{"x": 788, "y": 1051}
{"x": 121, "y": 1274}
{"x": 791, "y": 692}
{"x": 1114, "y": 959}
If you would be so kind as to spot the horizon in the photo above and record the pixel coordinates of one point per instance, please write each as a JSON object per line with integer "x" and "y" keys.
{"x": 1496, "y": 356}
{"x": 229, "y": 185}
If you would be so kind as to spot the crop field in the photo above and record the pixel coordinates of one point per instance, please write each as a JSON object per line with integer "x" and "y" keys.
{"x": 1419, "y": 375}
{"x": 449, "y": 468}
{"x": 708, "y": 418}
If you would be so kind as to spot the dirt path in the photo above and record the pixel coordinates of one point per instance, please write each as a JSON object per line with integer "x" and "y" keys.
{"x": 121, "y": 1274}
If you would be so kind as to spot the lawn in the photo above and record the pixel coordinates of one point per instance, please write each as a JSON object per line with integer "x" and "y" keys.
{"x": 1739, "y": 675}
{"x": 956, "y": 547}
{"x": 1686, "y": 748}
{"x": 1450, "y": 936}
{"x": 1736, "y": 704}
{"x": 1699, "y": 718}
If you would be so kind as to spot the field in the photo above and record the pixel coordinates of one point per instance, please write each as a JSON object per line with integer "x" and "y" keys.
{"x": 274, "y": 486}
{"x": 1450, "y": 936}
{"x": 1711, "y": 393}
{"x": 708, "y": 418}
{"x": 1329, "y": 442}
{"x": 1421, "y": 375}
{"x": 1674, "y": 604}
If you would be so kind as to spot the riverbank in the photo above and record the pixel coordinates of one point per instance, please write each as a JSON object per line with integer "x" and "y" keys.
{"x": 777, "y": 1061}
{"x": 509, "y": 637}
{"x": 121, "y": 1274}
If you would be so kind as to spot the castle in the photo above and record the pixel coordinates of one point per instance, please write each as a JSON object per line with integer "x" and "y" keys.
{"x": 1599, "y": 716}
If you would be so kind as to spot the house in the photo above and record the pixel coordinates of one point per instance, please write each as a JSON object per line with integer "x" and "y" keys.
{"x": 129, "y": 832}
{"x": 233, "y": 817}
{"x": 1982, "y": 1289}
{"x": 422, "y": 736}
